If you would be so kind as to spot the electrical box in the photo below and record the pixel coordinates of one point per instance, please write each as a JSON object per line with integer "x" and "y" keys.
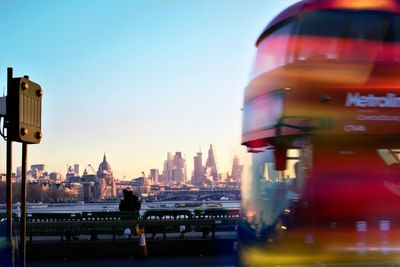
{"x": 24, "y": 111}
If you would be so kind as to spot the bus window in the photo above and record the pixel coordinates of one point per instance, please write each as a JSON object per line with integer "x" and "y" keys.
{"x": 345, "y": 36}
{"x": 275, "y": 189}
{"x": 314, "y": 26}
{"x": 272, "y": 52}
{"x": 396, "y": 37}
{"x": 366, "y": 33}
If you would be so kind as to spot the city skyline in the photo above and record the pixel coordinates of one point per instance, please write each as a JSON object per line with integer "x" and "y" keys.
{"x": 185, "y": 162}
{"x": 134, "y": 79}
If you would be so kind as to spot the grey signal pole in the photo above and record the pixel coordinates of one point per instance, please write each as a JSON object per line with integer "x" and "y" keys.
{"x": 18, "y": 112}
{"x": 10, "y": 247}
{"x": 23, "y": 206}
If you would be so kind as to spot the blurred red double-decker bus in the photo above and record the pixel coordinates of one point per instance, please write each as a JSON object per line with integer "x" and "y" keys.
{"x": 322, "y": 119}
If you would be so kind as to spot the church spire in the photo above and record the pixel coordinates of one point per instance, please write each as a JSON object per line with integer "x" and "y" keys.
{"x": 104, "y": 157}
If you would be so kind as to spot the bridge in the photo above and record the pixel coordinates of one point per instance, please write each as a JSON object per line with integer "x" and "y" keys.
{"x": 200, "y": 195}
{"x": 99, "y": 234}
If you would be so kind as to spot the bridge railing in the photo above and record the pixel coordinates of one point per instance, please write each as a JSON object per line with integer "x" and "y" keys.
{"x": 72, "y": 225}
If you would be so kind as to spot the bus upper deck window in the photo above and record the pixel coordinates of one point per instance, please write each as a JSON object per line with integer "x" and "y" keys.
{"x": 365, "y": 34}
{"x": 367, "y": 27}
{"x": 318, "y": 36}
{"x": 396, "y": 38}
{"x": 272, "y": 52}
{"x": 344, "y": 36}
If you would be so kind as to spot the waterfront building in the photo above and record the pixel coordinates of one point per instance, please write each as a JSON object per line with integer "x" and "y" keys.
{"x": 76, "y": 169}
{"x": 55, "y": 177}
{"x": 70, "y": 173}
{"x": 91, "y": 191}
{"x": 140, "y": 190}
{"x": 74, "y": 179}
{"x": 75, "y": 191}
{"x": 91, "y": 186}
{"x": 108, "y": 188}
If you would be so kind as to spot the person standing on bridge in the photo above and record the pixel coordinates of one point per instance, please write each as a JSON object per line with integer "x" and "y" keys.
{"x": 123, "y": 205}
{"x": 130, "y": 202}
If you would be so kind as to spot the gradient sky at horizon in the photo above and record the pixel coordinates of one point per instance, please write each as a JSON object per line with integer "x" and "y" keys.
{"x": 134, "y": 79}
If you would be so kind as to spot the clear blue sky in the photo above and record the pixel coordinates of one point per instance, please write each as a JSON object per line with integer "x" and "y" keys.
{"x": 134, "y": 79}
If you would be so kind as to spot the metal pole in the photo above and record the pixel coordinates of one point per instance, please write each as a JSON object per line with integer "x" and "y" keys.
{"x": 10, "y": 247}
{"x": 22, "y": 253}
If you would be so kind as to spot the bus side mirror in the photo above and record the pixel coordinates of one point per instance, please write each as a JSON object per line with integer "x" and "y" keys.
{"x": 280, "y": 158}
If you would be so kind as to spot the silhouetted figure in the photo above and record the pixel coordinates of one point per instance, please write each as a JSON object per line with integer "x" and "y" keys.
{"x": 124, "y": 204}
{"x": 130, "y": 202}
{"x": 134, "y": 203}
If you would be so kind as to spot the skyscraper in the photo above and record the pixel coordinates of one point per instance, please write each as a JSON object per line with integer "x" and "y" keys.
{"x": 76, "y": 169}
{"x": 168, "y": 166}
{"x": 198, "y": 170}
{"x": 211, "y": 165}
{"x": 179, "y": 169}
{"x": 237, "y": 170}
{"x": 154, "y": 175}
{"x": 174, "y": 169}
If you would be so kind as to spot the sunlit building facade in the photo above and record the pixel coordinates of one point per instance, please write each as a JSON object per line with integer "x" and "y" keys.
{"x": 211, "y": 166}
{"x": 105, "y": 175}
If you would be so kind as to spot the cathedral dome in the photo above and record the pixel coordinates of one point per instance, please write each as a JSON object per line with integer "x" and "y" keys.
{"x": 104, "y": 166}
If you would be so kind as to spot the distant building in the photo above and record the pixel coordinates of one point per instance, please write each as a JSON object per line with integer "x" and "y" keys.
{"x": 141, "y": 189}
{"x": 179, "y": 169}
{"x": 75, "y": 191}
{"x": 74, "y": 179}
{"x": 108, "y": 187}
{"x": 154, "y": 173}
{"x": 211, "y": 165}
{"x": 174, "y": 169}
{"x": 141, "y": 181}
{"x": 91, "y": 191}
{"x": 38, "y": 172}
{"x": 76, "y": 169}
{"x": 167, "y": 170}
{"x": 55, "y": 177}
{"x": 198, "y": 170}
{"x": 91, "y": 187}
{"x": 70, "y": 173}
{"x": 237, "y": 170}
{"x": 39, "y": 167}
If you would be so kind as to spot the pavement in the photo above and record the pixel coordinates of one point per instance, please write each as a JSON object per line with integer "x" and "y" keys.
{"x": 179, "y": 261}
{"x": 121, "y": 248}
